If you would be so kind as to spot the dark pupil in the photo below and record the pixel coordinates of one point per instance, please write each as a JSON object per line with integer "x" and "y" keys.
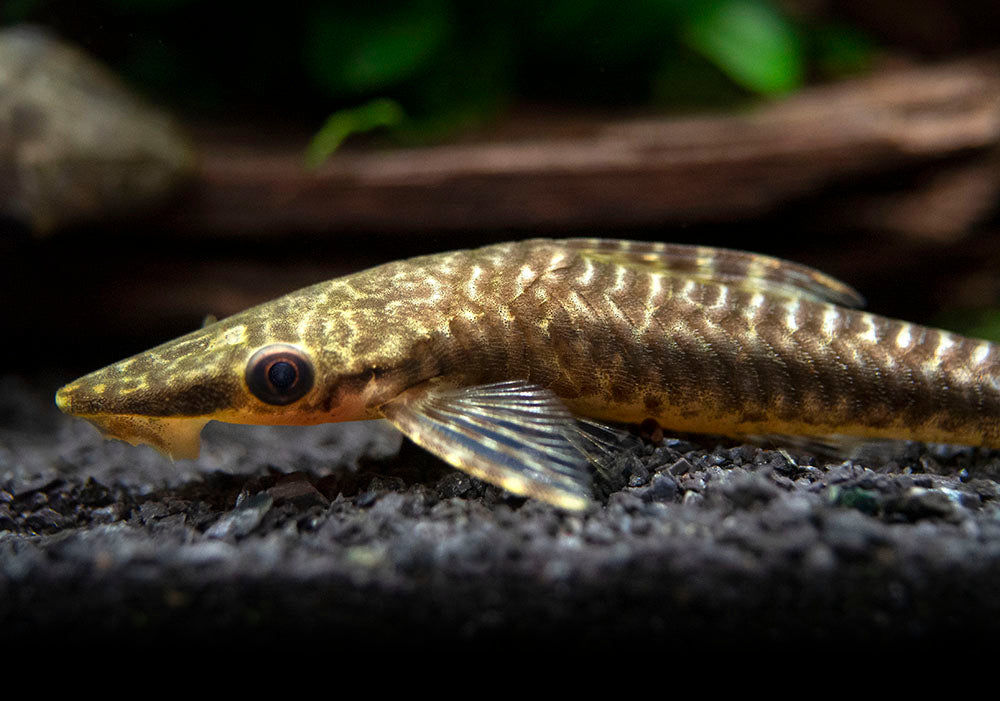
{"x": 282, "y": 375}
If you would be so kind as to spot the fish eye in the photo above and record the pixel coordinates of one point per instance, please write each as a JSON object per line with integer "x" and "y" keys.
{"x": 279, "y": 374}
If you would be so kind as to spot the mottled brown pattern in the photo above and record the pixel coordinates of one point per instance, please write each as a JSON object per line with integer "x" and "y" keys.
{"x": 699, "y": 339}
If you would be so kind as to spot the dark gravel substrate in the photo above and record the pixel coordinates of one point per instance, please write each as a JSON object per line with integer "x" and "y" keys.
{"x": 336, "y": 531}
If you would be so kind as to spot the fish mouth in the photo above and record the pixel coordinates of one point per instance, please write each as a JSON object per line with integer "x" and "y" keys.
{"x": 178, "y": 438}
{"x": 64, "y": 399}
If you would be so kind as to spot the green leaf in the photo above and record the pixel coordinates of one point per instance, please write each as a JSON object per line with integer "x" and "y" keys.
{"x": 467, "y": 85}
{"x": 751, "y": 42}
{"x": 687, "y": 81}
{"x": 353, "y": 51}
{"x": 343, "y": 123}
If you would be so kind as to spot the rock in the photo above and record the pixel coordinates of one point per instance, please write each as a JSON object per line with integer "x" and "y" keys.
{"x": 243, "y": 519}
{"x": 75, "y": 143}
{"x": 47, "y": 520}
{"x": 297, "y": 488}
{"x": 681, "y": 467}
{"x": 663, "y": 488}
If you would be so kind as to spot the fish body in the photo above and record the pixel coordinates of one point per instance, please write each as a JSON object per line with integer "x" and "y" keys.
{"x": 487, "y": 357}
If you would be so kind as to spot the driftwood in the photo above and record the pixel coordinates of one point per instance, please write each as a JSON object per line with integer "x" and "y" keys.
{"x": 639, "y": 172}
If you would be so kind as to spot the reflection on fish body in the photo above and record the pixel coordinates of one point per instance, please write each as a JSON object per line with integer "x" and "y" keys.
{"x": 487, "y": 357}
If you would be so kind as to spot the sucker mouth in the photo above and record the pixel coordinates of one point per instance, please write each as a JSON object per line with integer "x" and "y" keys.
{"x": 176, "y": 437}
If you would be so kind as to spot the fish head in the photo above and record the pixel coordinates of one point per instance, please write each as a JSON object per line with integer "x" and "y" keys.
{"x": 289, "y": 362}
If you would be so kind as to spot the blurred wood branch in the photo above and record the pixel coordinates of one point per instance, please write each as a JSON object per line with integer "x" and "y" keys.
{"x": 644, "y": 172}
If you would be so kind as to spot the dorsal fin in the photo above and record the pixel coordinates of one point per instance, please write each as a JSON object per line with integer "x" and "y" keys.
{"x": 750, "y": 271}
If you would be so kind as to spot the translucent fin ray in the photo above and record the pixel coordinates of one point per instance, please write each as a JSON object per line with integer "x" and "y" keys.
{"x": 515, "y": 435}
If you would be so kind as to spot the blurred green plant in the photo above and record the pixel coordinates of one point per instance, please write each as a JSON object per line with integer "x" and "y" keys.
{"x": 374, "y": 47}
{"x": 981, "y": 323}
{"x": 452, "y": 64}
{"x": 751, "y": 42}
{"x": 356, "y": 120}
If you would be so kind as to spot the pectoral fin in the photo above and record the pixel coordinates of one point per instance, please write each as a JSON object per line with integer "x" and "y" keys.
{"x": 515, "y": 435}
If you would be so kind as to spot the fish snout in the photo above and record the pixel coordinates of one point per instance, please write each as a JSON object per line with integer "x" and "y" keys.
{"x": 80, "y": 397}
{"x": 64, "y": 399}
